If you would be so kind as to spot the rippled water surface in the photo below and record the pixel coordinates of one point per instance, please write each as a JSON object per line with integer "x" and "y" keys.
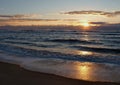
{"x": 84, "y": 50}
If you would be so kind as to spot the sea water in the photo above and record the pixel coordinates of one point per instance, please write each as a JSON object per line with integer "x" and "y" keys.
{"x": 92, "y": 55}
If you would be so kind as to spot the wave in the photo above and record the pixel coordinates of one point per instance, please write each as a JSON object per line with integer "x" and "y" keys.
{"x": 112, "y": 33}
{"x": 36, "y": 53}
{"x": 73, "y": 41}
{"x": 96, "y": 49}
{"x": 112, "y": 38}
{"x": 28, "y": 43}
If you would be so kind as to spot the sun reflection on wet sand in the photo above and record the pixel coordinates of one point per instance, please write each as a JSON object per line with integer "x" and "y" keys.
{"x": 95, "y": 72}
{"x": 83, "y": 71}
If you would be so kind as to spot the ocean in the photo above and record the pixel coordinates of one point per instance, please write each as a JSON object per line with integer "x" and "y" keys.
{"x": 91, "y": 55}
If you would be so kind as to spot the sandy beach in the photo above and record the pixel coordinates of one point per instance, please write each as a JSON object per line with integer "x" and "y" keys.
{"x": 15, "y": 75}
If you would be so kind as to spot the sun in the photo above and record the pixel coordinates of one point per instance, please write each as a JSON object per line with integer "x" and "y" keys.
{"x": 85, "y": 24}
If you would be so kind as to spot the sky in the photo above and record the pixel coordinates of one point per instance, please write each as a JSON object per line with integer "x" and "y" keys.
{"x": 58, "y": 12}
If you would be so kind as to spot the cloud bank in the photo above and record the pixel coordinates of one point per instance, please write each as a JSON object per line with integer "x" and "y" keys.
{"x": 99, "y": 23}
{"x": 19, "y": 16}
{"x": 37, "y": 19}
{"x": 94, "y": 12}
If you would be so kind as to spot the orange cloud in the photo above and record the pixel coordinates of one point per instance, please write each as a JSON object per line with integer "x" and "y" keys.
{"x": 24, "y": 22}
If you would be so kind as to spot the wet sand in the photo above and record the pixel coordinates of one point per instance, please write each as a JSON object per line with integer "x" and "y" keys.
{"x": 11, "y": 74}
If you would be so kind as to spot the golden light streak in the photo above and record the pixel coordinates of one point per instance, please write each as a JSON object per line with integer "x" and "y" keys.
{"x": 84, "y": 53}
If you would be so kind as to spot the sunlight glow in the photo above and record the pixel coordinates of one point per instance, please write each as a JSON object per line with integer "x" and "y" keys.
{"x": 86, "y": 24}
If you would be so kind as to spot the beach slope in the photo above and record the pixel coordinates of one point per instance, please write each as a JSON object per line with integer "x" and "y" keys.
{"x": 15, "y": 75}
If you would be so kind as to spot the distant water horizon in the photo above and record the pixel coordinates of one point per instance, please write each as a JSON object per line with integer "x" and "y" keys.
{"x": 92, "y": 55}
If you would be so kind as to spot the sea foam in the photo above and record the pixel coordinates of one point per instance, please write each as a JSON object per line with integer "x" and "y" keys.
{"x": 89, "y": 71}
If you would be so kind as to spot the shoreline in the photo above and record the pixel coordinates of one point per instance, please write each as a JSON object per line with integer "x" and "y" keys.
{"x": 11, "y": 74}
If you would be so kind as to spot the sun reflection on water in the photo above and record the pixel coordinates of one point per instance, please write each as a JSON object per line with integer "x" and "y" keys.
{"x": 86, "y": 37}
{"x": 84, "y": 53}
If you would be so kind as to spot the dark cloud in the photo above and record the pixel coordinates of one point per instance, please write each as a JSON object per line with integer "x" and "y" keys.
{"x": 27, "y": 19}
{"x": 12, "y": 16}
{"x": 42, "y": 19}
{"x": 18, "y": 16}
{"x": 99, "y": 23}
{"x": 93, "y": 12}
